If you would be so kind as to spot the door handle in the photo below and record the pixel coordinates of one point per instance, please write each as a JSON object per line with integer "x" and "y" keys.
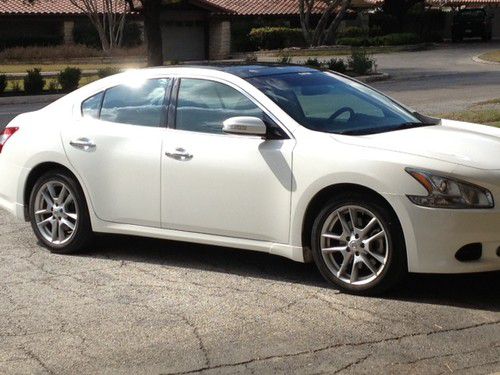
{"x": 179, "y": 154}
{"x": 84, "y": 144}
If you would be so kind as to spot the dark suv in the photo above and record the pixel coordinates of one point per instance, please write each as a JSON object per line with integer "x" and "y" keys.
{"x": 469, "y": 23}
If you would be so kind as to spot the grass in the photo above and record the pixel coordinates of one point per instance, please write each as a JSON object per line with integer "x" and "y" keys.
{"x": 19, "y": 82}
{"x": 486, "y": 113}
{"x": 343, "y": 50}
{"x": 56, "y": 67}
{"x": 493, "y": 56}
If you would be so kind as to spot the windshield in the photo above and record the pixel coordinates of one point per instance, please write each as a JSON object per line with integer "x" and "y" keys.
{"x": 329, "y": 103}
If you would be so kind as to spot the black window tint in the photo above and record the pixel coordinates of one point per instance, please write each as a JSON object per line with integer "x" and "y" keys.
{"x": 203, "y": 106}
{"x": 91, "y": 106}
{"x": 143, "y": 105}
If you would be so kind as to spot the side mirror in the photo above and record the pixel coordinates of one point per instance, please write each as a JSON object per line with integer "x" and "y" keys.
{"x": 244, "y": 125}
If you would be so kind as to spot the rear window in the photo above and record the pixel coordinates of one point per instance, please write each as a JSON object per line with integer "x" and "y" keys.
{"x": 142, "y": 104}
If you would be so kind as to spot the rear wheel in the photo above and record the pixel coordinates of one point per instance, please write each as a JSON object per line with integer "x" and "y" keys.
{"x": 358, "y": 245}
{"x": 58, "y": 213}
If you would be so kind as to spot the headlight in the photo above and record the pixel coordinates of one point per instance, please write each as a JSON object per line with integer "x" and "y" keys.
{"x": 446, "y": 192}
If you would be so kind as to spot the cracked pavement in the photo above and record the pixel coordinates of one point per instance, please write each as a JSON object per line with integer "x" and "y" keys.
{"x": 134, "y": 305}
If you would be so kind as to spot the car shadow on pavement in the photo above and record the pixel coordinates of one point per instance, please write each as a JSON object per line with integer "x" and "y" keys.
{"x": 477, "y": 291}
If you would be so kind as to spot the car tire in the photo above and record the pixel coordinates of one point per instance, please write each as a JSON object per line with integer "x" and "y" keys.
{"x": 368, "y": 259}
{"x": 59, "y": 214}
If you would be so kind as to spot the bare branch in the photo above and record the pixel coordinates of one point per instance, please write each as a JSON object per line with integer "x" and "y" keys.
{"x": 108, "y": 18}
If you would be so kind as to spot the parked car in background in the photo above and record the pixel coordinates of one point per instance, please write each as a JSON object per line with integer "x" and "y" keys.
{"x": 472, "y": 23}
{"x": 288, "y": 160}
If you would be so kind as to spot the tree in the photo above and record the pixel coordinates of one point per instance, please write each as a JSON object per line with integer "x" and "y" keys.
{"x": 150, "y": 10}
{"x": 108, "y": 18}
{"x": 399, "y": 8}
{"x": 327, "y": 25}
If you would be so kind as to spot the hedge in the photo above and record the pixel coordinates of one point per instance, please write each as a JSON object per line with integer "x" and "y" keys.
{"x": 395, "y": 39}
{"x": 277, "y": 37}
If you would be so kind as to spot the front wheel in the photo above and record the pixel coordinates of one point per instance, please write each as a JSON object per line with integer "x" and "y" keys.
{"x": 58, "y": 213}
{"x": 358, "y": 245}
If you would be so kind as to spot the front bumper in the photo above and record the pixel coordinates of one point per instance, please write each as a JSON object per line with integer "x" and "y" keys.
{"x": 433, "y": 237}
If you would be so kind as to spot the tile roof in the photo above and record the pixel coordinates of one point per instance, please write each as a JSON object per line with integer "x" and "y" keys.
{"x": 263, "y": 7}
{"x": 41, "y": 7}
{"x": 238, "y": 7}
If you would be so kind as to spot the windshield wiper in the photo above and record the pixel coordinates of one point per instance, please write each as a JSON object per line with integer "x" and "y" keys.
{"x": 405, "y": 125}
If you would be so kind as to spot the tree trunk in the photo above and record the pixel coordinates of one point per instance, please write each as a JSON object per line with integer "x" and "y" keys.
{"x": 152, "y": 29}
{"x": 330, "y": 33}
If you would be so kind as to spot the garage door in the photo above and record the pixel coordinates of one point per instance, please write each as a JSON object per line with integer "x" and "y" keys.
{"x": 184, "y": 40}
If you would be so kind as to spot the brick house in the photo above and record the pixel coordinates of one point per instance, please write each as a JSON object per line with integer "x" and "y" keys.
{"x": 191, "y": 29}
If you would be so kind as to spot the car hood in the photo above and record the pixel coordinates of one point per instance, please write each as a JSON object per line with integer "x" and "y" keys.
{"x": 466, "y": 144}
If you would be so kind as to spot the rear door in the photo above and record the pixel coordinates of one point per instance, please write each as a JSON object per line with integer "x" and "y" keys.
{"x": 115, "y": 147}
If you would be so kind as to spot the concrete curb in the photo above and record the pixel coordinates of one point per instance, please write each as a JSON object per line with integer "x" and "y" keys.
{"x": 481, "y": 61}
{"x": 374, "y": 77}
{"x": 34, "y": 99}
{"x": 307, "y": 52}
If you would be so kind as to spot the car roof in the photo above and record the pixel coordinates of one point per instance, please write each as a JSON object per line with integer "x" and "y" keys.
{"x": 248, "y": 70}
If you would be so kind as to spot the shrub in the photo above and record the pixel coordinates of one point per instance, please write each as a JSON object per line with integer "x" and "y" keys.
{"x": 108, "y": 71}
{"x": 398, "y": 39}
{"x": 355, "y": 42}
{"x": 376, "y": 30}
{"x": 3, "y": 83}
{"x": 352, "y": 32}
{"x": 34, "y": 82}
{"x": 361, "y": 62}
{"x": 276, "y": 37}
{"x": 251, "y": 58}
{"x": 312, "y": 62}
{"x": 337, "y": 65}
{"x": 53, "y": 86}
{"x": 69, "y": 79}
{"x": 16, "y": 86}
{"x": 285, "y": 59}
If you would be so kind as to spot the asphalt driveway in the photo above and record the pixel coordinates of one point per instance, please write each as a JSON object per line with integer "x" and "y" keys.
{"x": 133, "y": 305}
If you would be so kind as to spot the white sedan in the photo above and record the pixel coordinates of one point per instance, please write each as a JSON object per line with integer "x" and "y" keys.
{"x": 292, "y": 161}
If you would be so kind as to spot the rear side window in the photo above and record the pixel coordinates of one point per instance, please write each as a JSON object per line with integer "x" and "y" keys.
{"x": 142, "y": 105}
{"x": 92, "y": 106}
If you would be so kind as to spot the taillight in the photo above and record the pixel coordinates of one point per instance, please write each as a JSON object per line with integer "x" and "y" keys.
{"x": 5, "y": 135}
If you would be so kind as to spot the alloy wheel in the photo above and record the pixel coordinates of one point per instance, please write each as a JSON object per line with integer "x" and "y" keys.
{"x": 354, "y": 245}
{"x": 56, "y": 212}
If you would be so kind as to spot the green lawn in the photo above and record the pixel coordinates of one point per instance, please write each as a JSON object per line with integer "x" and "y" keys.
{"x": 487, "y": 113}
{"x": 19, "y": 82}
{"x": 56, "y": 67}
{"x": 493, "y": 56}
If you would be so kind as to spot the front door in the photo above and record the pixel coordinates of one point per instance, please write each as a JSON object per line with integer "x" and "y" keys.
{"x": 216, "y": 183}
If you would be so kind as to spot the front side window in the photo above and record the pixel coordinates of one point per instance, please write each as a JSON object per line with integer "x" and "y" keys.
{"x": 203, "y": 106}
{"x": 138, "y": 104}
{"x": 332, "y": 104}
